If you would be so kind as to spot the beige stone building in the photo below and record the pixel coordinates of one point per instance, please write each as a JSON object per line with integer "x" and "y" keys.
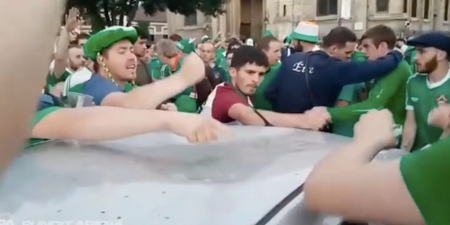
{"x": 253, "y": 17}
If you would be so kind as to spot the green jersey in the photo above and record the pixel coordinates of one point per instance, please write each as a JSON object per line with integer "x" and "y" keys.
{"x": 422, "y": 97}
{"x": 351, "y": 94}
{"x": 52, "y": 80}
{"x": 259, "y": 98}
{"x": 186, "y": 101}
{"x": 224, "y": 65}
{"x": 37, "y": 118}
{"x": 155, "y": 67}
{"x": 220, "y": 55}
{"x": 425, "y": 174}
{"x": 387, "y": 92}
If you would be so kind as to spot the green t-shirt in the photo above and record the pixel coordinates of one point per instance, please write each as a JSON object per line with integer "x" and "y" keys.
{"x": 186, "y": 101}
{"x": 349, "y": 93}
{"x": 422, "y": 97}
{"x": 37, "y": 118}
{"x": 220, "y": 55}
{"x": 224, "y": 65}
{"x": 387, "y": 92}
{"x": 52, "y": 80}
{"x": 155, "y": 67}
{"x": 425, "y": 174}
{"x": 259, "y": 98}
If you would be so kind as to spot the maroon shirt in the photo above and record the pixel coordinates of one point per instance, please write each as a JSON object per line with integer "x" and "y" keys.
{"x": 224, "y": 97}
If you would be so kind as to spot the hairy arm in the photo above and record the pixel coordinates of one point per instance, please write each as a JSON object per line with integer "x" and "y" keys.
{"x": 101, "y": 123}
{"x": 346, "y": 183}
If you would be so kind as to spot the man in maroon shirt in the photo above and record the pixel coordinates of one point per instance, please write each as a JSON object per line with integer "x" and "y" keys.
{"x": 230, "y": 102}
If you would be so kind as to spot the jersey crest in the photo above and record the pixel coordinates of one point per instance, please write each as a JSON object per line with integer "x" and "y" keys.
{"x": 441, "y": 99}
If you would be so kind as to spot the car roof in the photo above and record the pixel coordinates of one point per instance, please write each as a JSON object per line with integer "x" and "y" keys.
{"x": 159, "y": 178}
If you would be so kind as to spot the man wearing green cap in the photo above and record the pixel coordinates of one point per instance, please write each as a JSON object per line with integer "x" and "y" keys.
{"x": 169, "y": 54}
{"x": 155, "y": 65}
{"x": 115, "y": 70}
{"x": 305, "y": 37}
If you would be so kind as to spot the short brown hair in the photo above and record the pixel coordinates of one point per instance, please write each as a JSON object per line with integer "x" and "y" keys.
{"x": 380, "y": 34}
{"x": 175, "y": 37}
{"x": 264, "y": 43}
{"x": 167, "y": 47}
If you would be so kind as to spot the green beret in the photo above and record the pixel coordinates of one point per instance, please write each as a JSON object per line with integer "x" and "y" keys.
{"x": 205, "y": 39}
{"x": 186, "y": 45}
{"x": 102, "y": 40}
{"x": 267, "y": 33}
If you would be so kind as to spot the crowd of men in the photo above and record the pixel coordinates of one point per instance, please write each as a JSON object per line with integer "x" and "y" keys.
{"x": 398, "y": 91}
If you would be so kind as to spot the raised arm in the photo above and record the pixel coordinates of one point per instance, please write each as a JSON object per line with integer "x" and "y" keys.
{"x": 192, "y": 71}
{"x": 357, "y": 72}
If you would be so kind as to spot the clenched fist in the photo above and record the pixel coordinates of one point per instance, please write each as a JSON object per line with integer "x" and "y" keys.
{"x": 377, "y": 126}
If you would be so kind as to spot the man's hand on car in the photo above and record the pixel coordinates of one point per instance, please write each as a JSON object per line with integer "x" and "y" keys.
{"x": 197, "y": 128}
{"x": 317, "y": 118}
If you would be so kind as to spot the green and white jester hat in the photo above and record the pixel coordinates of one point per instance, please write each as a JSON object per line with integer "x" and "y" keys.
{"x": 306, "y": 31}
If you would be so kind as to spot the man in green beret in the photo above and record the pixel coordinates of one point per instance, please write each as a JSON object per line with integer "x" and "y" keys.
{"x": 115, "y": 70}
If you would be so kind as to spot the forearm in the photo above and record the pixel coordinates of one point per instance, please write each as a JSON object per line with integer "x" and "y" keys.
{"x": 62, "y": 51}
{"x": 355, "y": 110}
{"x": 101, "y": 123}
{"x": 158, "y": 91}
{"x": 276, "y": 119}
{"x": 41, "y": 19}
{"x": 336, "y": 167}
{"x": 408, "y": 136}
{"x": 357, "y": 72}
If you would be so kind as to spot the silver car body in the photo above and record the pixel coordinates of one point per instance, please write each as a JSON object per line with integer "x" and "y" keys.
{"x": 159, "y": 178}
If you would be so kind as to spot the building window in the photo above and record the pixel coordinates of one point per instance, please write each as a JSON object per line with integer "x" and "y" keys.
{"x": 327, "y": 7}
{"x": 284, "y": 10}
{"x": 414, "y": 9}
{"x": 446, "y": 10}
{"x": 151, "y": 37}
{"x": 190, "y": 20}
{"x": 426, "y": 9}
{"x": 165, "y": 36}
{"x": 383, "y": 6}
{"x": 405, "y": 6}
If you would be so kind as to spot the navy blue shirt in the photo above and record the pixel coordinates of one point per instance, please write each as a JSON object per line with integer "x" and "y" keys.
{"x": 45, "y": 101}
{"x": 99, "y": 87}
{"x": 289, "y": 93}
{"x": 286, "y": 52}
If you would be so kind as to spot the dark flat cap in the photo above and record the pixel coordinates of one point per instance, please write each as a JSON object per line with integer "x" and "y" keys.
{"x": 433, "y": 39}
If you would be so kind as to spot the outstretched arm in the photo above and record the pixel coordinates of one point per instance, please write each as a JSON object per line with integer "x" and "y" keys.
{"x": 101, "y": 123}
{"x": 356, "y": 72}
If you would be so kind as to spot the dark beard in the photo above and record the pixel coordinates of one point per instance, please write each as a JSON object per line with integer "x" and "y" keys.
{"x": 298, "y": 47}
